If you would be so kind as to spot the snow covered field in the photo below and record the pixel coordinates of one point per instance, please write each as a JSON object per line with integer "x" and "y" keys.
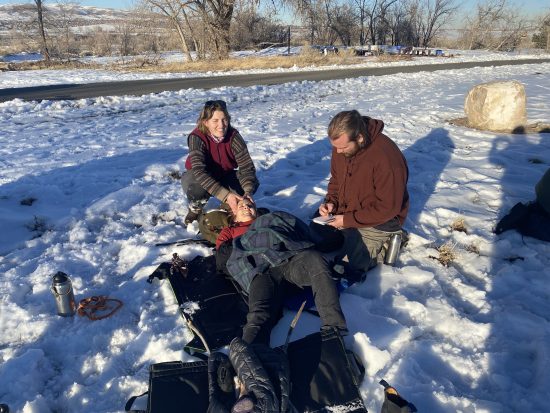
{"x": 471, "y": 337}
{"x": 55, "y": 77}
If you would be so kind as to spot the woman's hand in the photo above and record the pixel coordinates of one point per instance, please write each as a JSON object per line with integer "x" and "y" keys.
{"x": 232, "y": 200}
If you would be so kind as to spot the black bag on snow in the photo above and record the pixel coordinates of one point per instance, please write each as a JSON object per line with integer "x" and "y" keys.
{"x": 529, "y": 219}
{"x": 323, "y": 373}
{"x": 174, "y": 387}
{"x": 324, "y": 377}
{"x": 222, "y": 310}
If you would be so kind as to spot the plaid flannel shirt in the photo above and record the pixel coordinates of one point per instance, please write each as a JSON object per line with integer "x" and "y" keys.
{"x": 271, "y": 240}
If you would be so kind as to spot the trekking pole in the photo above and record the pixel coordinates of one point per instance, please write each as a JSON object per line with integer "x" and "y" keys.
{"x": 186, "y": 241}
{"x": 293, "y": 324}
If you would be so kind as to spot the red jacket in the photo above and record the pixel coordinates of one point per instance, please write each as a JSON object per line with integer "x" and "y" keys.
{"x": 370, "y": 188}
{"x": 219, "y": 158}
{"x": 233, "y": 231}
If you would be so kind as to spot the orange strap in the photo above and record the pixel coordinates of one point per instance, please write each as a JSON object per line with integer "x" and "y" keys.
{"x": 89, "y": 307}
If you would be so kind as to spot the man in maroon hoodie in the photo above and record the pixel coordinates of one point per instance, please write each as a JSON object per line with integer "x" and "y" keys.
{"x": 367, "y": 191}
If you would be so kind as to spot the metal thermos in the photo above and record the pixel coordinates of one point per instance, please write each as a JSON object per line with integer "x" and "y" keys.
{"x": 393, "y": 249}
{"x": 62, "y": 290}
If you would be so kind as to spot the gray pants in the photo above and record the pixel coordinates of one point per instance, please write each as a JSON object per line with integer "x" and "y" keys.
{"x": 307, "y": 268}
{"x": 363, "y": 247}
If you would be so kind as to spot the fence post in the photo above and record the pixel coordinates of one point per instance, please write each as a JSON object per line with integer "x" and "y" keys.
{"x": 288, "y": 47}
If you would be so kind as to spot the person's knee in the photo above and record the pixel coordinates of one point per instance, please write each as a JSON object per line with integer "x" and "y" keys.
{"x": 195, "y": 193}
{"x": 312, "y": 257}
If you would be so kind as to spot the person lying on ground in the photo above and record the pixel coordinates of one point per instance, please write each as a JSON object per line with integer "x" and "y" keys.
{"x": 260, "y": 254}
{"x": 218, "y": 163}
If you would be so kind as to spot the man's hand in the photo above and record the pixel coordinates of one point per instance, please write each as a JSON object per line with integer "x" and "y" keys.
{"x": 338, "y": 222}
{"x": 325, "y": 209}
{"x": 232, "y": 200}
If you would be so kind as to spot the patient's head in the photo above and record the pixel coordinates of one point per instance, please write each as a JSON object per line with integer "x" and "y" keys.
{"x": 246, "y": 210}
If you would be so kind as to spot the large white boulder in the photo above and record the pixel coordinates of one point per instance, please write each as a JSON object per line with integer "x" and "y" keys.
{"x": 496, "y": 106}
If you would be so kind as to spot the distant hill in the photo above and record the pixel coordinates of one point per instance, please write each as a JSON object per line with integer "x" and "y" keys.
{"x": 73, "y": 30}
{"x": 83, "y": 18}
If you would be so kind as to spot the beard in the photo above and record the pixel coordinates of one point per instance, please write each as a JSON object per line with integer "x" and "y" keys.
{"x": 358, "y": 146}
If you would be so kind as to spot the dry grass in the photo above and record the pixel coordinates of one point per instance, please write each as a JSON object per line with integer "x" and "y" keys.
{"x": 394, "y": 58}
{"x": 473, "y": 248}
{"x": 73, "y": 64}
{"x": 447, "y": 253}
{"x": 309, "y": 57}
{"x": 305, "y": 59}
{"x": 459, "y": 225}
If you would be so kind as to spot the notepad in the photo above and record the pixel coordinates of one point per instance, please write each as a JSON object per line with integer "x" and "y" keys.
{"x": 323, "y": 220}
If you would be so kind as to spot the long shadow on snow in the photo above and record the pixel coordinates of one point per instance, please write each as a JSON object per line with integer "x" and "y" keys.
{"x": 427, "y": 158}
{"x": 72, "y": 188}
{"x": 517, "y": 346}
{"x": 296, "y": 183}
{"x": 79, "y": 187}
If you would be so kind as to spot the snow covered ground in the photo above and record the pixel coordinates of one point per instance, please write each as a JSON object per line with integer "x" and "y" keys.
{"x": 86, "y": 188}
{"x": 55, "y": 77}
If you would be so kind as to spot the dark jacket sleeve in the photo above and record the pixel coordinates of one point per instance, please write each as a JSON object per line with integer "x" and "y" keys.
{"x": 264, "y": 372}
{"x": 247, "y": 170}
{"x": 222, "y": 256}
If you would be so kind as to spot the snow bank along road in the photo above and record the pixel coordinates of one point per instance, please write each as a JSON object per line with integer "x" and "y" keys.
{"x": 141, "y": 87}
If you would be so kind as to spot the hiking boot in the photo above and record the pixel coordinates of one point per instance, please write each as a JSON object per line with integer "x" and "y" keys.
{"x": 192, "y": 216}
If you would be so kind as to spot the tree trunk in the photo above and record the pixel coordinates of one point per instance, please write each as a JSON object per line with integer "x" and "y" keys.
{"x": 41, "y": 30}
{"x": 183, "y": 41}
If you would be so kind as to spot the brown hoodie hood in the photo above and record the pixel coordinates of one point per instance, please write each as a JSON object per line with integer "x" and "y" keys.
{"x": 370, "y": 188}
{"x": 374, "y": 128}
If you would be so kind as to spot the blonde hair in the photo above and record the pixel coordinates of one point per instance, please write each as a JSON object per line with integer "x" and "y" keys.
{"x": 349, "y": 122}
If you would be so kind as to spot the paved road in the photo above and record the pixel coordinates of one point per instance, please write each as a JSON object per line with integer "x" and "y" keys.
{"x": 141, "y": 87}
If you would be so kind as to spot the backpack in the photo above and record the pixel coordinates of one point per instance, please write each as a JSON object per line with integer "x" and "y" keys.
{"x": 212, "y": 222}
{"x": 542, "y": 189}
{"x": 528, "y": 219}
{"x": 531, "y": 219}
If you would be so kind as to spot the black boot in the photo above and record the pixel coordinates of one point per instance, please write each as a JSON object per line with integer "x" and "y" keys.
{"x": 192, "y": 216}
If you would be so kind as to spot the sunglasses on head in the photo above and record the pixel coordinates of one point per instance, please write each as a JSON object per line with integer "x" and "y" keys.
{"x": 214, "y": 103}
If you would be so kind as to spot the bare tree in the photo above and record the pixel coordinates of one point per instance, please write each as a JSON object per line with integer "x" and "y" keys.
{"x": 63, "y": 22}
{"x": 372, "y": 19}
{"x": 362, "y": 19}
{"x": 428, "y": 16}
{"x": 42, "y": 32}
{"x": 216, "y": 16}
{"x": 541, "y": 39}
{"x": 251, "y": 29}
{"x": 343, "y": 22}
{"x": 400, "y": 25}
{"x": 496, "y": 25}
{"x": 174, "y": 10}
{"x": 307, "y": 10}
